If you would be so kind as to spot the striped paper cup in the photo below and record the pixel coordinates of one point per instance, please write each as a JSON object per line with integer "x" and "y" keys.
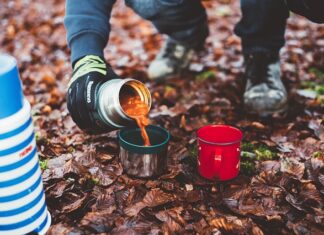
{"x": 22, "y": 199}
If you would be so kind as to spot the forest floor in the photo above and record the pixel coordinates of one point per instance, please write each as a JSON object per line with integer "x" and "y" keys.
{"x": 281, "y": 184}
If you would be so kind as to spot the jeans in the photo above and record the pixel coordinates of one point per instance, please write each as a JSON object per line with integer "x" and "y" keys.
{"x": 261, "y": 28}
{"x": 182, "y": 20}
{"x": 263, "y": 23}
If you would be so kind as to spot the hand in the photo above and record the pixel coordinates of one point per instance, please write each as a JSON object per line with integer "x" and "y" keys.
{"x": 89, "y": 73}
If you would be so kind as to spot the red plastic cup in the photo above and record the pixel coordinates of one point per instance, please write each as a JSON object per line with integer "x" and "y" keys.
{"x": 219, "y": 152}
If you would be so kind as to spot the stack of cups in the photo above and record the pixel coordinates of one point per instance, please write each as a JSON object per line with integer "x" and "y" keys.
{"x": 22, "y": 200}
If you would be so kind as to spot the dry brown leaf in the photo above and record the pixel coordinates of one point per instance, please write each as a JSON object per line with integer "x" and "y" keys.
{"x": 155, "y": 197}
{"x": 77, "y": 204}
{"x": 292, "y": 166}
{"x": 172, "y": 219}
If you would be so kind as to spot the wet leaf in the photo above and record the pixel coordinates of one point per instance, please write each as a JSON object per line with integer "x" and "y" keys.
{"x": 60, "y": 228}
{"x": 231, "y": 225}
{"x": 99, "y": 222}
{"x": 172, "y": 219}
{"x": 292, "y": 166}
{"x": 155, "y": 197}
{"x": 318, "y": 128}
{"x": 75, "y": 205}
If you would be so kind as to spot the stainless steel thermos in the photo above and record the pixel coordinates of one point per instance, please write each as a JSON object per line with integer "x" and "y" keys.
{"x": 110, "y": 95}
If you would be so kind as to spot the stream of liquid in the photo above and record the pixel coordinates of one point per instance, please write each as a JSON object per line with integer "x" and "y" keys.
{"x": 138, "y": 110}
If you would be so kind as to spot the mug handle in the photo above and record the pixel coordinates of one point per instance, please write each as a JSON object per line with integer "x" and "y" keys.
{"x": 217, "y": 159}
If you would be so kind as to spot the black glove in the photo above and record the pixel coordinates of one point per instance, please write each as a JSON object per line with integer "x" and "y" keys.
{"x": 89, "y": 73}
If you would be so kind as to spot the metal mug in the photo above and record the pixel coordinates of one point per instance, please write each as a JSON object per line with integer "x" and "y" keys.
{"x": 219, "y": 152}
{"x": 144, "y": 161}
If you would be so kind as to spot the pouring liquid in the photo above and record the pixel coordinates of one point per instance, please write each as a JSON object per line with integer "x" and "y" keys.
{"x": 137, "y": 109}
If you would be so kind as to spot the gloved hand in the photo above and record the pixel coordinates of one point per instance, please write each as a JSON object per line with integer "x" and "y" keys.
{"x": 89, "y": 73}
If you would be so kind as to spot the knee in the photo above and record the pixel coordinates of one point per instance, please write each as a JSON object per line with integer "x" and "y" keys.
{"x": 149, "y": 9}
{"x": 170, "y": 3}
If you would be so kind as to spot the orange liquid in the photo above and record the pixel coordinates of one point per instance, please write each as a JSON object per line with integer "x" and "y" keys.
{"x": 138, "y": 110}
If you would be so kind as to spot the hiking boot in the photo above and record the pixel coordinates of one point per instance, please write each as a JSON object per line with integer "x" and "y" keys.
{"x": 172, "y": 58}
{"x": 265, "y": 94}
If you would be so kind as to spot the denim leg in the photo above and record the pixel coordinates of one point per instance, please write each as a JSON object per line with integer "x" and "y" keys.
{"x": 262, "y": 26}
{"x": 311, "y": 9}
{"x": 182, "y": 20}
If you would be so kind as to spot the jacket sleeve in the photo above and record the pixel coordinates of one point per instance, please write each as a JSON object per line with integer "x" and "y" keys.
{"x": 87, "y": 25}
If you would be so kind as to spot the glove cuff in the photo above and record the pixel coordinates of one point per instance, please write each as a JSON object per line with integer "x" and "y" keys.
{"x": 87, "y": 44}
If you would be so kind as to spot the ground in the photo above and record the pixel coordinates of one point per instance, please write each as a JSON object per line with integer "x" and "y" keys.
{"x": 280, "y": 187}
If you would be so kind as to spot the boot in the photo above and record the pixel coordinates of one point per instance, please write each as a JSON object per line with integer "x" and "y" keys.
{"x": 172, "y": 58}
{"x": 265, "y": 94}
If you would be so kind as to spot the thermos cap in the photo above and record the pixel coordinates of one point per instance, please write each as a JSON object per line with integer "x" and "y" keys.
{"x": 11, "y": 96}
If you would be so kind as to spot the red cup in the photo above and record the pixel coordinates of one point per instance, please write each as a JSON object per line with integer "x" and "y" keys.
{"x": 219, "y": 152}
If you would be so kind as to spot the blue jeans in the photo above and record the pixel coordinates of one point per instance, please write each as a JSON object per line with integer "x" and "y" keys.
{"x": 261, "y": 28}
{"x": 263, "y": 23}
{"x": 88, "y": 28}
{"x": 183, "y": 20}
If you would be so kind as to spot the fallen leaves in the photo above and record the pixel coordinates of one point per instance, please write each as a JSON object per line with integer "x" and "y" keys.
{"x": 281, "y": 186}
{"x": 293, "y": 167}
{"x": 153, "y": 198}
{"x": 99, "y": 222}
{"x": 173, "y": 222}
{"x": 318, "y": 127}
{"x": 234, "y": 225}
{"x": 75, "y": 205}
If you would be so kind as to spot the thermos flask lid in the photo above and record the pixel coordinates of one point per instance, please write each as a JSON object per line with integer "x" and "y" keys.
{"x": 11, "y": 96}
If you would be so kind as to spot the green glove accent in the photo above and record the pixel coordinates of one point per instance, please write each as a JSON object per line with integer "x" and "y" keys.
{"x": 89, "y": 63}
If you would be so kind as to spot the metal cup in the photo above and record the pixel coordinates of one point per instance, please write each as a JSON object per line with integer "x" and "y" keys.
{"x": 144, "y": 161}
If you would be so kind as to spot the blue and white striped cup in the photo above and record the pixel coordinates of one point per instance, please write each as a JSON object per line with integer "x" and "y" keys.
{"x": 22, "y": 199}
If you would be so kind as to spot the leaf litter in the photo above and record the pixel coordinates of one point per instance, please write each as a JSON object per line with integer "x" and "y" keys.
{"x": 281, "y": 185}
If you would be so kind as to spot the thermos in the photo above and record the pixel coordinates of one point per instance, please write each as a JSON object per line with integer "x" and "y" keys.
{"x": 110, "y": 96}
{"x": 22, "y": 200}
